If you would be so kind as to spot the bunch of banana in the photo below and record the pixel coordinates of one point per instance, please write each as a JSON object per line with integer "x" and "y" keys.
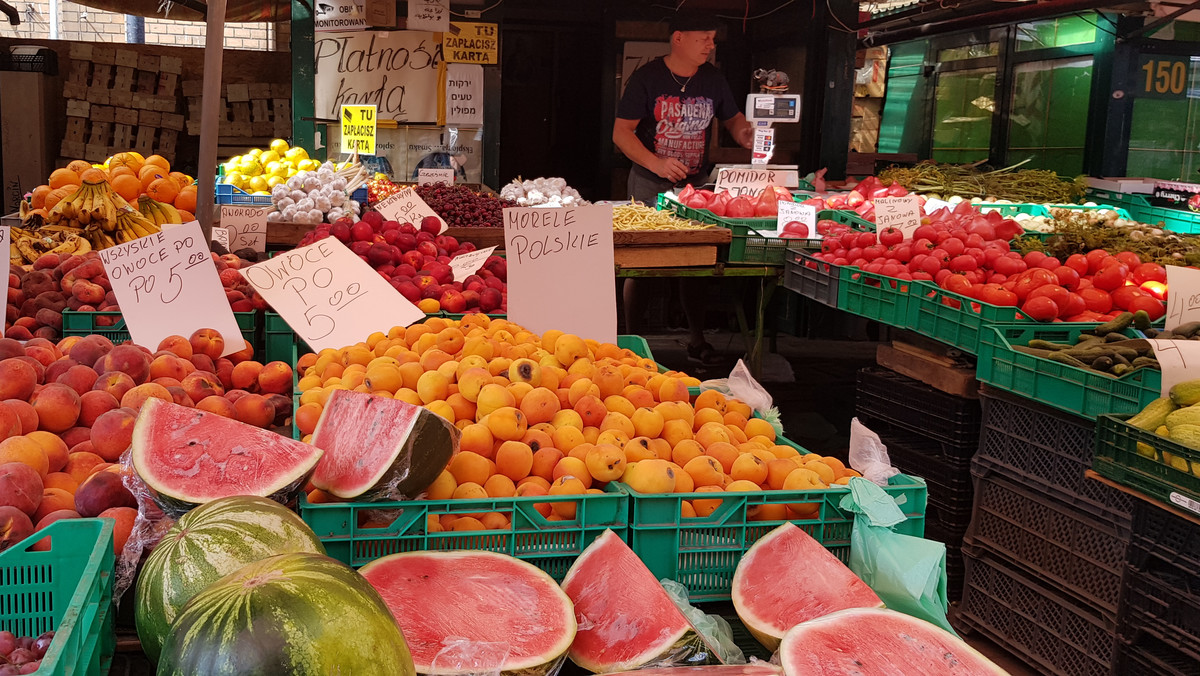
{"x": 158, "y": 212}
{"x": 26, "y": 246}
{"x": 131, "y": 224}
{"x": 94, "y": 203}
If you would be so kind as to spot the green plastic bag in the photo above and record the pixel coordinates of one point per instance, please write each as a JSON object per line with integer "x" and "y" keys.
{"x": 908, "y": 573}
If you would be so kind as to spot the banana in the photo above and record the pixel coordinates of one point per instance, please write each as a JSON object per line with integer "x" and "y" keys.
{"x": 158, "y": 212}
{"x": 25, "y": 246}
{"x": 69, "y": 245}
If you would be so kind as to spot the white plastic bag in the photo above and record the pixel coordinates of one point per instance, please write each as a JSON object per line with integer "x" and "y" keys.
{"x": 742, "y": 386}
{"x": 868, "y": 454}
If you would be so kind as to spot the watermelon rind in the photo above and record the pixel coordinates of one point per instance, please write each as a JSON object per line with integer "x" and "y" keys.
{"x": 803, "y": 561}
{"x": 875, "y": 642}
{"x": 204, "y": 545}
{"x": 354, "y": 428}
{"x": 167, "y": 435}
{"x": 670, "y": 639}
{"x": 295, "y": 614}
{"x": 422, "y": 600}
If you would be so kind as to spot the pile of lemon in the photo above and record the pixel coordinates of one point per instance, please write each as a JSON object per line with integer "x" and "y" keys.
{"x": 259, "y": 170}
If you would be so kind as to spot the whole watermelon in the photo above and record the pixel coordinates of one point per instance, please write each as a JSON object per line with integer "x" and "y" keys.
{"x": 206, "y": 544}
{"x": 295, "y": 614}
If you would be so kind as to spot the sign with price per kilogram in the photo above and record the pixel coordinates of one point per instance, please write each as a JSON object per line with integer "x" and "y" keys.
{"x": 246, "y": 227}
{"x": 167, "y": 285}
{"x": 330, "y": 296}
{"x": 901, "y": 213}
{"x": 407, "y": 206}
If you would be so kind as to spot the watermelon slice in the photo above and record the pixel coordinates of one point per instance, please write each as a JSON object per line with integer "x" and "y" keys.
{"x": 465, "y": 604}
{"x": 878, "y": 642}
{"x": 379, "y": 448}
{"x": 753, "y": 669}
{"x": 817, "y": 584}
{"x": 187, "y": 457}
{"x": 626, "y": 619}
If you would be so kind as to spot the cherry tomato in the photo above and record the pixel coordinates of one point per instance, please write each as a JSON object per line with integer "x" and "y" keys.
{"x": 1040, "y": 309}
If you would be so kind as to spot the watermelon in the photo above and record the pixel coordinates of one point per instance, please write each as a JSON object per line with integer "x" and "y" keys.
{"x": 441, "y": 599}
{"x": 626, "y": 618}
{"x": 878, "y": 642}
{"x": 379, "y": 448}
{"x": 187, "y": 457}
{"x": 817, "y": 584}
{"x": 755, "y": 668}
{"x": 205, "y": 545}
{"x": 297, "y": 614}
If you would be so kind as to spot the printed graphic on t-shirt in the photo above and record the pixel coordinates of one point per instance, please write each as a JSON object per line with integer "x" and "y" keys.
{"x": 680, "y": 129}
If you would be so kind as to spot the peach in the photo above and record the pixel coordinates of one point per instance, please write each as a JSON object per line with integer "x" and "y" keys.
{"x": 209, "y": 342}
{"x": 15, "y": 526}
{"x": 54, "y": 448}
{"x": 44, "y": 355}
{"x": 178, "y": 345}
{"x": 180, "y": 396}
{"x": 90, "y": 349}
{"x": 25, "y": 451}
{"x": 76, "y": 435}
{"x": 167, "y": 382}
{"x": 20, "y": 487}
{"x": 112, "y": 434}
{"x": 101, "y": 491}
{"x": 234, "y": 395}
{"x": 275, "y": 378}
{"x": 58, "y": 368}
{"x": 137, "y": 396}
{"x": 283, "y": 409}
{"x": 128, "y": 359}
{"x": 61, "y": 480}
{"x": 38, "y": 368}
{"x": 242, "y": 354}
{"x": 125, "y": 518}
{"x": 80, "y": 465}
{"x": 217, "y": 404}
{"x": 115, "y": 383}
{"x": 10, "y": 422}
{"x": 17, "y": 379}
{"x": 245, "y": 375}
{"x": 203, "y": 362}
{"x": 254, "y": 409}
{"x": 168, "y": 366}
{"x": 43, "y": 545}
{"x": 201, "y": 384}
{"x": 11, "y": 348}
{"x": 79, "y": 378}
{"x": 24, "y": 411}
{"x": 53, "y": 500}
{"x": 94, "y": 403}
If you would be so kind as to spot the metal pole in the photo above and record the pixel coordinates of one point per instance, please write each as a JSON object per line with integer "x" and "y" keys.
{"x": 214, "y": 52}
{"x": 135, "y": 29}
{"x": 53, "y": 19}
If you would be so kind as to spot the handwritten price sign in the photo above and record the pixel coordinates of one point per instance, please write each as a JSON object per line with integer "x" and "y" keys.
{"x": 428, "y": 176}
{"x": 429, "y": 15}
{"x": 407, "y": 206}
{"x": 329, "y": 295}
{"x": 246, "y": 227}
{"x": 166, "y": 284}
{"x": 465, "y": 265}
{"x": 1179, "y": 360}
{"x": 803, "y": 214}
{"x": 901, "y": 213}
{"x": 1183, "y": 301}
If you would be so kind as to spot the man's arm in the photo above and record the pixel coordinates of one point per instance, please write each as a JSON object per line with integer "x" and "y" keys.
{"x": 625, "y": 137}
{"x": 741, "y": 130}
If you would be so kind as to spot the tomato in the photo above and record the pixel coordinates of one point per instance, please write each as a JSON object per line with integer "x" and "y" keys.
{"x": 941, "y": 275}
{"x": 954, "y": 246}
{"x": 1078, "y": 263}
{"x": 891, "y": 236}
{"x": 1075, "y": 305}
{"x": 963, "y": 263}
{"x": 854, "y": 199}
{"x": 1033, "y": 258}
{"x": 1040, "y": 309}
{"x": 719, "y": 204}
{"x": 1009, "y": 266}
{"x": 1129, "y": 258}
{"x": 866, "y": 239}
{"x": 957, "y": 284}
{"x": 1123, "y": 296}
{"x": 1110, "y": 277}
{"x": 687, "y": 192}
{"x": 925, "y": 232}
{"x": 1153, "y": 307}
{"x": 1067, "y": 276}
{"x": 940, "y": 255}
{"x": 1095, "y": 258}
{"x": 766, "y": 208}
{"x": 1096, "y": 300}
{"x": 1033, "y": 279}
{"x": 1149, "y": 272}
{"x": 1054, "y": 292}
{"x": 740, "y": 207}
{"x": 1155, "y": 289}
{"x": 1049, "y": 263}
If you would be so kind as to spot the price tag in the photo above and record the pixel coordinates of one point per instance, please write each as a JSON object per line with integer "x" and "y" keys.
{"x": 902, "y": 213}
{"x": 793, "y": 215}
{"x": 751, "y": 181}
{"x": 465, "y": 265}
{"x": 429, "y": 15}
{"x": 246, "y": 227}
{"x": 1179, "y": 360}
{"x": 427, "y": 176}
{"x": 358, "y": 129}
{"x": 5, "y": 246}
{"x": 166, "y": 284}
{"x": 330, "y": 296}
{"x": 221, "y": 236}
{"x": 560, "y": 269}
{"x": 407, "y": 206}
{"x": 1183, "y": 296}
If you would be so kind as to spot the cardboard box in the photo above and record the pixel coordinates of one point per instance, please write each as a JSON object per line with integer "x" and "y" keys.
{"x": 1128, "y": 185}
{"x": 380, "y": 13}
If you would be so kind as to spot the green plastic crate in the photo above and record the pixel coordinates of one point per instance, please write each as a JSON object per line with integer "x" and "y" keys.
{"x": 1121, "y": 211}
{"x": 1082, "y": 392}
{"x": 702, "y": 553}
{"x": 846, "y": 217}
{"x": 1120, "y": 199}
{"x": 748, "y": 245}
{"x": 278, "y": 337}
{"x": 84, "y": 324}
{"x": 961, "y": 321}
{"x": 550, "y": 545}
{"x": 1010, "y": 210}
{"x": 1172, "y": 475}
{"x": 67, "y": 590}
{"x": 1175, "y": 220}
{"x": 874, "y": 296}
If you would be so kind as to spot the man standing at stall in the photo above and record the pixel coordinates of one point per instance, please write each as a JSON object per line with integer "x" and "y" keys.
{"x": 663, "y": 125}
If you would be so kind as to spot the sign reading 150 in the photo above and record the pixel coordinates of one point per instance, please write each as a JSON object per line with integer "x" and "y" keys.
{"x": 1166, "y": 77}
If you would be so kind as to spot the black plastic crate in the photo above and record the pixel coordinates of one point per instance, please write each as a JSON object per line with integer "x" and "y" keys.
{"x": 1149, "y": 655}
{"x": 1172, "y": 539}
{"x": 1046, "y": 450}
{"x": 811, "y": 277}
{"x": 1166, "y": 600}
{"x": 1034, "y": 622}
{"x": 950, "y": 489}
{"x": 1076, "y": 552}
{"x": 912, "y": 405}
{"x": 42, "y": 61}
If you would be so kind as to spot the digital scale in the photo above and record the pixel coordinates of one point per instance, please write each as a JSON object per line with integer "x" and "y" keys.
{"x": 770, "y": 105}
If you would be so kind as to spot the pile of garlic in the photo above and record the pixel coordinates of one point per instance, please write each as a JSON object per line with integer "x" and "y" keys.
{"x": 542, "y": 192}
{"x": 313, "y": 197}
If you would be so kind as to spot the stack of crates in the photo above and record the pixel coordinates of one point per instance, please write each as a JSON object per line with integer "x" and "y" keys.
{"x": 1158, "y": 626}
{"x": 1046, "y": 544}
{"x": 932, "y": 435}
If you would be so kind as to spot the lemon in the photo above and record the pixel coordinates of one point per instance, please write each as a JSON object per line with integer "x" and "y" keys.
{"x": 250, "y": 167}
{"x": 296, "y": 154}
{"x": 259, "y": 184}
{"x": 275, "y": 180}
{"x": 254, "y": 152}
{"x": 308, "y": 165}
{"x": 292, "y": 171}
{"x": 235, "y": 179}
{"x": 279, "y": 146}
{"x": 268, "y": 157}
{"x": 231, "y": 165}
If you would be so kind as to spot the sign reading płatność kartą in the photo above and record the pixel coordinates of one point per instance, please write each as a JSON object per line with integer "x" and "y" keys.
{"x": 166, "y": 284}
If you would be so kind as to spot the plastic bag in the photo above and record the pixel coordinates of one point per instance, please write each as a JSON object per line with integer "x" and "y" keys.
{"x": 868, "y": 454}
{"x": 908, "y": 573}
{"x": 742, "y": 386}
{"x": 148, "y": 529}
{"x": 716, "y": 632}
{"x": 464, "y": 657}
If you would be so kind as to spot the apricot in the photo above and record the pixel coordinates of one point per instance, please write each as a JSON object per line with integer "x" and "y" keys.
{"x": 574, "y": 467}
{"x": 15, "y": 526}
{"x": 540, "y": 405}
{"x": 706, "y": 506}
{"x": 768, "y": 512}
{"x": 27, "y": 452}
{"x": 442, "y": 487}
{"x": 25, "y": 413}
{"x": 544, "y": 461}
{"x": 60, "y": 480}
{"x": 43, "y": 545}
{"x": 101, "y": 491}
{"x": 500, "y": 486}
{"x": 514, "y": 460}
{"x": 822, "y": 469}
{"x": 566, "y": 485}
{"x": 254, "y": 409}
{"x": 477, "y": 438}
{"x": 725, "y": 453}
{"x": 705, "y": 471}
{"x": 217, "y": 404}
{"x": 605, "y": 462}
{"x": 20, "y": 487}
{"x": 683, "y": 480}
{"x": 495, "y": 521}
{"x": 637, "y": 450}
{"x": 710, "y": 399}
{"x": 208, "y": 342}
{"x": 704, "y": 416}
{"x": 125, "y": 518}
{"x": 525, "y": 371}
{"x": 178, "y": 345}
{"x": 711, "y": 433}
{"x": 53, "y": 500}
{"x": 677, "y": 430}
{"x": 759, "y": 427}
{"x": 468, "y": 467}
{"x": 275, "y": 378}
{"x": 568, "y": 348}
{"x": 493, "y": 397}
{"x": 650, "y": 476}
{"x": 507, "y": 424}
{"x": 673, "y": 389}
{"x": 116, "y": 383}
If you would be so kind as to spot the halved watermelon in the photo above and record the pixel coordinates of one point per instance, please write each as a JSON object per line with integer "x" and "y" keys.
{"x": 440, "y": 599}
{"x": 878, "y": 642}
{"x": 379, "y": 448}
{"x": 817, "y": 584}
{"x": 626, "y": 619}
{"x": 753, "y": 669}
{"x": 187, "y": 457}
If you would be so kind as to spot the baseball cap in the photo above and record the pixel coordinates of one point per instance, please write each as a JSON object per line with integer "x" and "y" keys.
{"x": 693, "y": 20}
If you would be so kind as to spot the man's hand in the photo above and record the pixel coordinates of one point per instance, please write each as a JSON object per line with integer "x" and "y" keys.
{"x": 668, "y": 168}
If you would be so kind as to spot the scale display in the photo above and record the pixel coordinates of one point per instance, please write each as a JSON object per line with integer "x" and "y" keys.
{"x": 773, "y": 108}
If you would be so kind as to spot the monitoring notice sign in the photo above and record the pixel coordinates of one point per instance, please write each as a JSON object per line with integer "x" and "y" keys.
{"x": 358, "y": 129}
{"x": 339, "y": 15}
